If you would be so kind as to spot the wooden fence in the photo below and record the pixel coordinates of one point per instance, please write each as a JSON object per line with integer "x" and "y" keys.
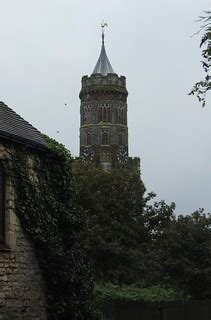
{"x": 190, "y": 310}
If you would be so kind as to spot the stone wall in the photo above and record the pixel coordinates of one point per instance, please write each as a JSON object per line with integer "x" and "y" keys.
{"x": 103, "y": 110}
{"x": 22, "y": 289}
{"x": 133, "y": 165}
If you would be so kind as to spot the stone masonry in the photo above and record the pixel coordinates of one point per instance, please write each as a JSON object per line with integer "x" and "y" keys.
{"x": 22, "y": 289}
{"x": 103, "y": 111}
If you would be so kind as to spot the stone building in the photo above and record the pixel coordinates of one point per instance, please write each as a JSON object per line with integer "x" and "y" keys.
{"x": 22, "y": 289}
{"x": 103, "y": 117}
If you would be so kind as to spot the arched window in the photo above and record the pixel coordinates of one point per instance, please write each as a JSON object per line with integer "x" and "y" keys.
{"x": 84, "y": 113}
{"x": 105, "y": 140}
{"x": 120, "y": 139}
{"x": 109, "y": 114}
{"x": 119, "y": 115}
{"x": 116, "y": 115}
{"x": 88, "y": 138}
{"x": 122, "y": 115}
{"x": 125, "y": 116}
{"x": 2, "y": 203}
{"x": 104, "y": 114}
{"x": 100, "y": 115}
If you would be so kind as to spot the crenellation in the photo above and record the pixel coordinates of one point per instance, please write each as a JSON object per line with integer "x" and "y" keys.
{"x": 99, "y": 80}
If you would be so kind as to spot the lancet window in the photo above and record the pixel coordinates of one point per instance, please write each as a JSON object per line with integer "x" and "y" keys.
{"x": 86, "y": 114}
{"x": 109, "y": 114}
{"x": 104, "y": 113}
{"x": 116, "y": 115}
{"x": 100, "y": 114}
{"x": 120, "y": 139}
{"x": 88, "y": 138}
{"x": 105, "y": 137}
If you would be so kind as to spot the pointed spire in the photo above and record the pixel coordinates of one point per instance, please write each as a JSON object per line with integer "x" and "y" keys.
{"x": 103, "y": 65}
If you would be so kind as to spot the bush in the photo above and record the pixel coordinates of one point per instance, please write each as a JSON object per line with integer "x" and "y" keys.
{"x": 108, "y": 292}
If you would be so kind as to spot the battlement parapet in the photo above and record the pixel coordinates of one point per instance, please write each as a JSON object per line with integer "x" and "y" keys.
{"x": 98, "y": 80}
{"x": 133, "y": 165}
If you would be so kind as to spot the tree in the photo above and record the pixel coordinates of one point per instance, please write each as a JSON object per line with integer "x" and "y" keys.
{"x": 134, "y": 241}
{"x": 200, "y": 88}
{"x": 114, "y": 202}
{"x": 159, "y": 217}
{"x": 186, "y": 254}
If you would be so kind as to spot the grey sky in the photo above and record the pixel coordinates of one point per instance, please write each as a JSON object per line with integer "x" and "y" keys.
{"x": 46, "y": 47}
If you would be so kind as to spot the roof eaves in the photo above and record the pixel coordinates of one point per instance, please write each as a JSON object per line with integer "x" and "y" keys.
{"x": 24, "y": 141}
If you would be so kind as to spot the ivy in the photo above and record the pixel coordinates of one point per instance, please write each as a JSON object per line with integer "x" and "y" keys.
{"x": 46, "y": 204}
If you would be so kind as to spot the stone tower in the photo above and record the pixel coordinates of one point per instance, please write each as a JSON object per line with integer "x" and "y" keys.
{"x": 103, "y": 111}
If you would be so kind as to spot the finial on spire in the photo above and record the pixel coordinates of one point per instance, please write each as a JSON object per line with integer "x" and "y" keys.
{"x": 103, "y": 26}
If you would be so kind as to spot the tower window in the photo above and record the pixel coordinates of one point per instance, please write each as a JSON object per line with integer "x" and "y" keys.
{"x": 120, "y": 139}
{"x": 125, "y": 116}
{"x": 119, "y": 115}
{"x": 84, "y": 115}
{"x": 105, "y": 138}
{"x": 2, "y": 203}
{"x": 88, "y": 138}
{"x": 104, "y": 115}
{"x": 109, "y": 114}
{"x": 116, "y": 115}
{"x": 100, "y": 115}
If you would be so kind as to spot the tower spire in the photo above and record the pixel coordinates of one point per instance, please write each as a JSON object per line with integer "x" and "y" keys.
{"x": 103, "y": 65}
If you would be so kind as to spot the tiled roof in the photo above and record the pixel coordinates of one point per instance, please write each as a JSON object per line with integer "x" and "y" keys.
{"x": 14, "y": 127}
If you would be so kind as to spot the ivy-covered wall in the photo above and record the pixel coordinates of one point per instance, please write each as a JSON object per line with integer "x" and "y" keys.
{"x": 54, "y": 228}
{"x": 22, "y": 289}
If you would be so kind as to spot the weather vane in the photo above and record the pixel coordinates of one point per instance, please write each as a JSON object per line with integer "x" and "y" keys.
{"x": 103, "y": 26}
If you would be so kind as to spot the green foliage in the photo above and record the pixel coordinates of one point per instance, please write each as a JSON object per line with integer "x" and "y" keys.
{"x": 158, "y": 218}
{"x": 179, "y": 252}
{"x": 114, "y": 203}
{"x": 46, "y": 204}
{"x": 200, "y": 88}
{"x": 186, "y": 254}
{"x": 109, "y": 293}
{"x": 135, "y": 242}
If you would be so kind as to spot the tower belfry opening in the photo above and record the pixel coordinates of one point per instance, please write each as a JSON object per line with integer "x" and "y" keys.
{"x": 103, "y": 110}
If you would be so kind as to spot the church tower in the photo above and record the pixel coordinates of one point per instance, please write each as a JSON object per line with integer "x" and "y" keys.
{"x": 103, "y": 111}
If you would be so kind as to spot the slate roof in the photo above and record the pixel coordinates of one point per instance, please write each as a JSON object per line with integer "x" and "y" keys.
{"x": 103, "y": 65}
{"x": 15, "y": 128}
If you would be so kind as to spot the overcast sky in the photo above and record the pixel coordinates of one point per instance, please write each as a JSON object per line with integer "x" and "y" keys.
{"x": 48, "y": 45}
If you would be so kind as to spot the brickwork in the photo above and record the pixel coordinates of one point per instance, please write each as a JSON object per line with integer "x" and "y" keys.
{"x": 22, "y": 289}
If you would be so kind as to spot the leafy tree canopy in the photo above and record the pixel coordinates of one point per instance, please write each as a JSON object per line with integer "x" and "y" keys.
{"x": 114, "y": 202}
{"x": 201, "y": 88}
{"x": 135, "y": 241}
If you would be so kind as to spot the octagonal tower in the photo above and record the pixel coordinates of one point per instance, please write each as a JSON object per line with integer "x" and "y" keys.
{"x": 103, "y": 129}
